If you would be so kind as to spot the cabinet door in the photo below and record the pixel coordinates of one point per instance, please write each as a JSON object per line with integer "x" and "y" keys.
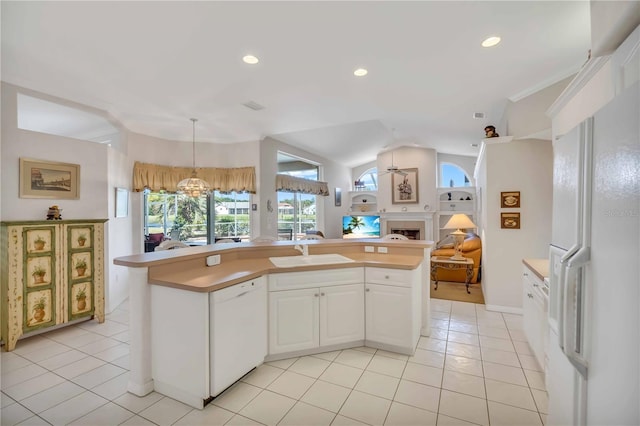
{"x": 341, "y": 314}
{"x": 388, "y": 314}
{"x": 528, "y": 312}
{"x": 293, "y": 320}
{"x": 80, "y": 270}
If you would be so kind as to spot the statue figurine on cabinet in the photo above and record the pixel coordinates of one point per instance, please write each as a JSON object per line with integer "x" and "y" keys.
{"x": 490, "y": 132}
{"x": 54, "y": 213}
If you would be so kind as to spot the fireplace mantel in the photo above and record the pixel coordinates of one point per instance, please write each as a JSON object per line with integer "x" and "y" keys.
{"x": 404, "y": 220}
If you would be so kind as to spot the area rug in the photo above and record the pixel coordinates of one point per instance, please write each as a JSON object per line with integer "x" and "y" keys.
{"x": 458, "y": 291}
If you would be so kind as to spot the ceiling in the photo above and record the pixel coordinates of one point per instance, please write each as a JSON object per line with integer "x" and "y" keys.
{"x": 154, "y": 65}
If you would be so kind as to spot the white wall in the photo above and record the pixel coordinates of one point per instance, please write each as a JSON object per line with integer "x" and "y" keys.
{"x": 17, "y": 143}
{"x": 525, "y": 166}
{"x": 424, "y": 159}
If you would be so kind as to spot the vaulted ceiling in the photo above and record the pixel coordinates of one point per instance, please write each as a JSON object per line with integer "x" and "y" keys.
{"x": 154, "y": 65}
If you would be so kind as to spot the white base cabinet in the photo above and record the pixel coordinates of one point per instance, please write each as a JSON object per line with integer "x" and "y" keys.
{"x": 534, "y": 315}
{"x": 393, "y": 308}
{"x": 308, "y": 310}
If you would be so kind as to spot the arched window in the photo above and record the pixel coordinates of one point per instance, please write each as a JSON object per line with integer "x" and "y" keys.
{"x": 369, "y": 180}
{"x": 452, "y": 176}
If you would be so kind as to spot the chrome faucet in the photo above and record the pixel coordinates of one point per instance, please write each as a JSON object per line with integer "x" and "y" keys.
{"x": 302, "y": 248}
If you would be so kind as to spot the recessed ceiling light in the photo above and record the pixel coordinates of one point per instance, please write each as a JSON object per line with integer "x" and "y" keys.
{"x": 491, "y": 41}
{"x": 360, "y": 72}
{"x": 250, "y": 59}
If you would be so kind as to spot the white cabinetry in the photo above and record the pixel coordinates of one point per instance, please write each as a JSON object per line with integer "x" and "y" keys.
{"x": 189, "y": 348}
{"x": 534, "y": 309}
{"x": 393, "y": 308}
{"x": 308, "y": 310}
{"x": 364, "y": 201}
{"x": 452, "y": 201}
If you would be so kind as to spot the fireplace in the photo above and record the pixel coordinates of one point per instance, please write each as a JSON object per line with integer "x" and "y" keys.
{"x": 412, "y": 229}
{"x": 413, "y": 225}
{"x": 412, "y": 234}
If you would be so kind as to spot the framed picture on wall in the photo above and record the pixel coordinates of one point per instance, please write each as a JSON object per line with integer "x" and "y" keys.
{"x": 338, "y": 197}
{"x": 122, "y": 202}
{"x": 49, "y": 179}
{"x": 510, "y": 199}
{"x": 510, "y": 220}
{"x": 404, "y": 187}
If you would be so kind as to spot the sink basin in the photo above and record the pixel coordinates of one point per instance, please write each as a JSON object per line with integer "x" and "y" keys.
{"x": 312, "y": 259}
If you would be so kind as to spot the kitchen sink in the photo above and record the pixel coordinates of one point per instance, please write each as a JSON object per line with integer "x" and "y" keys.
{"x": 312, "y": 259}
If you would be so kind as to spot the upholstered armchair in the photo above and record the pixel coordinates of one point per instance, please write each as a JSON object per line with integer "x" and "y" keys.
{"x": 471, "y": 248}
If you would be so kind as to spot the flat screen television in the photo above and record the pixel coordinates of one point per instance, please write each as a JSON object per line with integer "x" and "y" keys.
{"x": 365, "y": 226}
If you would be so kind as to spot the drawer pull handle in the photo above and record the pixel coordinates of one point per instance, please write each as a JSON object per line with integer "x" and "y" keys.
{"x": 366, "y": 289}
{"x": 315, "y": 295}
{"x": 386, "y": 277}
{"x": 321, "y": 294}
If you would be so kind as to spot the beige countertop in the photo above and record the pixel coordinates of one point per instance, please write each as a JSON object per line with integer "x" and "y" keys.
{"x": 540, "y": 267}
{"x": 186, "y": 268}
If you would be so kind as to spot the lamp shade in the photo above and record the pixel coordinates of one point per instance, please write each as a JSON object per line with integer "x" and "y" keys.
{"x": 459, "y": 221}
{"x": 193, "y": 186}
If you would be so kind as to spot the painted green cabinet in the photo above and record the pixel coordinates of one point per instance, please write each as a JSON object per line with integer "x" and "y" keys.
{"x": 52, "y": 273}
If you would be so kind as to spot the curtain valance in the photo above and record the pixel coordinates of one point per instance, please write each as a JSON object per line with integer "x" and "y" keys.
{"x": 165, "y": 178}
{"x": 286, "y": 183}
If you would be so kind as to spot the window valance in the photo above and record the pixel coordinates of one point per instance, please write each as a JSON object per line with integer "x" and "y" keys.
{"x": 165, "y": 178}
{"x": 286, "y": 183}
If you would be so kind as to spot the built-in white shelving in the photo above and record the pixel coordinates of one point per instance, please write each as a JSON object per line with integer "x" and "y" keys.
{"x": 364, "y": 202}
{"x": 452, "y": 201}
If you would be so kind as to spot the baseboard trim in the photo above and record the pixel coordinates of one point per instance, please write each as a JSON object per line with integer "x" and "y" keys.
{"x": 505, "y": 309}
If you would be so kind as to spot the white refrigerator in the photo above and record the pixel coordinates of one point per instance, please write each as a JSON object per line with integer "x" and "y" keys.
{"x": 593, "y": 370}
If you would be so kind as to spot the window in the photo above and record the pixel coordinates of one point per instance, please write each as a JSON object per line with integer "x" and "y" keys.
{"x": 452, "y": 176}
{"x": 187, "y": 219}
{"x": 369, "y": 180}
{"x": 297, "y": 212}
{"x": 231, "y": 217}
{"x": 177, "y": 216}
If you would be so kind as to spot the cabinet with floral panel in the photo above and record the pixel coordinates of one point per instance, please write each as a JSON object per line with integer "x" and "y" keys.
{"x": 52, "y": 273}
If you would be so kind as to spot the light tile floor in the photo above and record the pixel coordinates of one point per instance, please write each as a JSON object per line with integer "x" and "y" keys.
{"x": 476, "y": 368}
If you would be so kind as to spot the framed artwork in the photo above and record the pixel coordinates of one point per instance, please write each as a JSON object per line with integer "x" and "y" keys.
{"x": 122, "y": 202}
{"x": 48, "y": 179}
{"x": 510, "y": 199}
{"x": 510, "y": 220}
{"x": 338, "y": 199}
{"x": 404, "y": 188}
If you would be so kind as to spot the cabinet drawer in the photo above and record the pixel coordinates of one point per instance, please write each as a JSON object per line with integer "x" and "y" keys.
{"x": 308, "y": 279}
{"x": 395, "y": 277}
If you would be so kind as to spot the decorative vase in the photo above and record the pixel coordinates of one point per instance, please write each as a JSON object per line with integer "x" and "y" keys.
{"x": 82, "y": 303}
{"x": 81, "y": 271}
{"x": 81, "y": 243}
{"x": 39, "y": 245}
{"x": 37, "y": 279}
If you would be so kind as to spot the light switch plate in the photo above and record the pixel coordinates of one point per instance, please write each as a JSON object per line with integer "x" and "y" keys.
{"x": 382, "y": 249}
{"x": 213, "y": 260}
{"x": 368, "y": 249}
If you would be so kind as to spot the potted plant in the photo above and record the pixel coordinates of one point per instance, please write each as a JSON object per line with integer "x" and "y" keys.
{"x": 38, "y": 243}
{"x": 81, "y": 267}
{"x": 81, "y": 298}
{"x": 81, "y": 239}
{"x": 38, "y": 274}
{"x": 38, "y": 309}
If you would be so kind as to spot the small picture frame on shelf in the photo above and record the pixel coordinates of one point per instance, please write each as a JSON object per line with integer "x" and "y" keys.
{"x": 510, "y": 220}
{"x": 510, "y": 200}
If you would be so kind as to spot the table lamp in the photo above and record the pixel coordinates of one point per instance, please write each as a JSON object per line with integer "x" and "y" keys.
{"x": 459, "y": 221}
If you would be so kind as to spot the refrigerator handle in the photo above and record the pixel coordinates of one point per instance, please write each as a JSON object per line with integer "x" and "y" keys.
{"x": 572, "y": 325}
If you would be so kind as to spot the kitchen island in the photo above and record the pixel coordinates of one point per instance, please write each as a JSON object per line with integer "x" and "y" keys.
{"x": 311, "y": 308}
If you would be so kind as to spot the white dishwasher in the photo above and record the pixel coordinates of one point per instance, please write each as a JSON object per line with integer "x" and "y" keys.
{"x": 238, "y": 332}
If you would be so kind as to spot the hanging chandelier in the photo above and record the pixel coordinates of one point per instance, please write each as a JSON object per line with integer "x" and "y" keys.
{"x": 193, "y": 186}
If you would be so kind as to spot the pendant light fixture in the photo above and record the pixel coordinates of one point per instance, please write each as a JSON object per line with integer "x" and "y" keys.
{"x": 193, "y": 186}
